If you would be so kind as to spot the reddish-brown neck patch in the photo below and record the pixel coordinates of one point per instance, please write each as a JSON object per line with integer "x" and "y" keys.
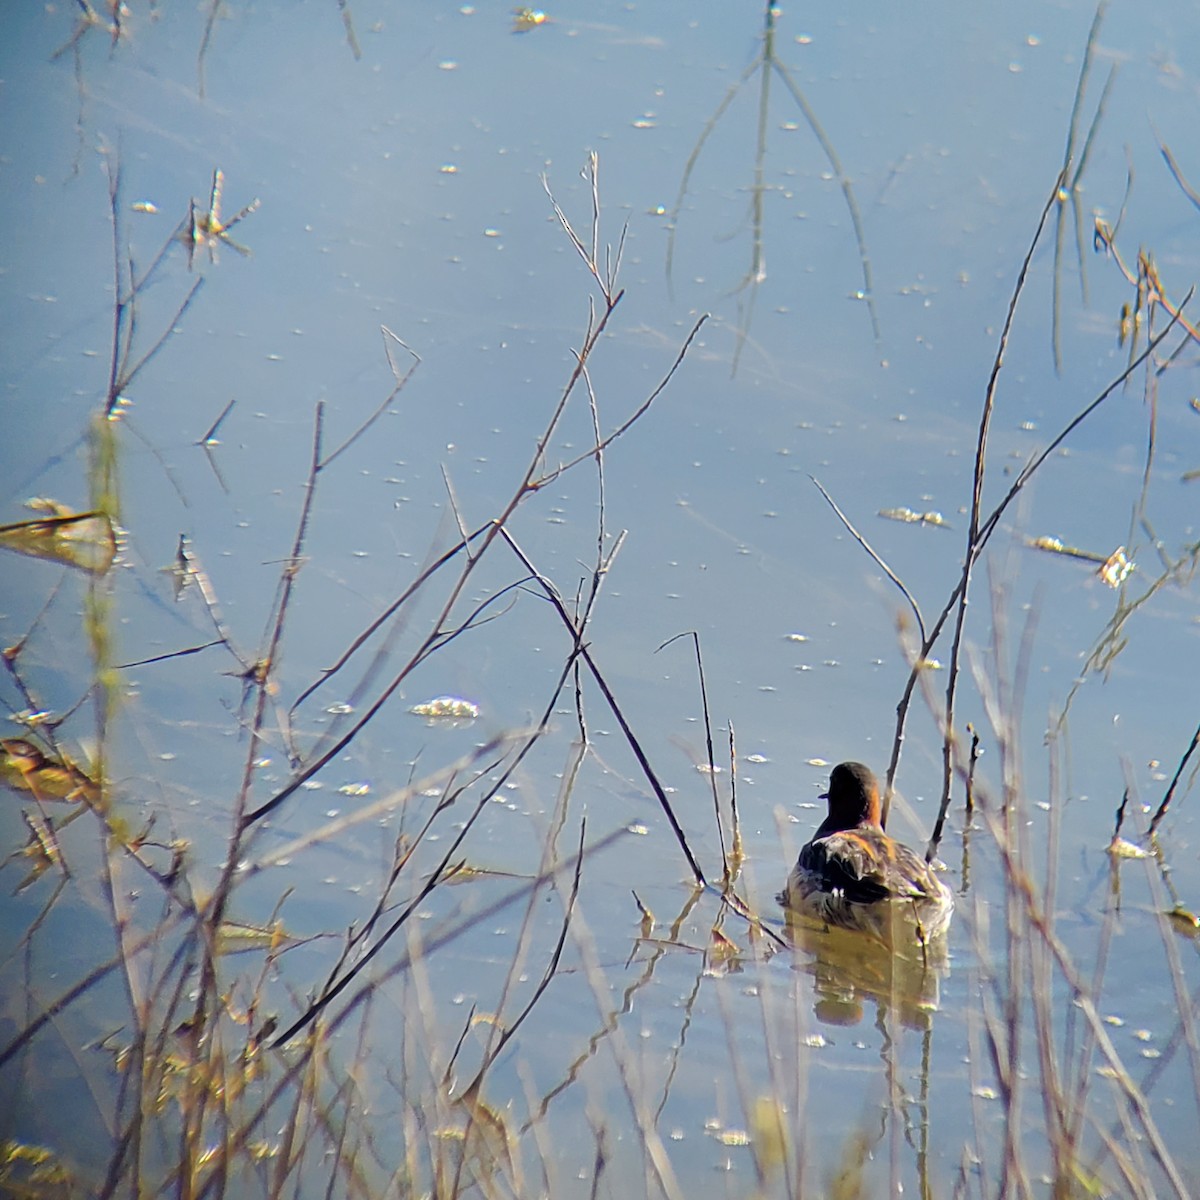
{"x": 853, "y": 799}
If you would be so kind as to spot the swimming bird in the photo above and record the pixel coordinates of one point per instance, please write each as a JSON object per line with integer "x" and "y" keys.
{"x": 853, "y": 875}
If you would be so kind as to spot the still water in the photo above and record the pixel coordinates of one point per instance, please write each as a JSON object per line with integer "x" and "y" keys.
{"x": 394, "y": 172}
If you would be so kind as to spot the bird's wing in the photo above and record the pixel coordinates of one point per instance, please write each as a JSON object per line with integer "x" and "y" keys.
{"x": 850, "y": 863}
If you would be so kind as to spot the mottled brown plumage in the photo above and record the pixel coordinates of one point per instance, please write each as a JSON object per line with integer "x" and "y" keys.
{"x": 852, "y": 874}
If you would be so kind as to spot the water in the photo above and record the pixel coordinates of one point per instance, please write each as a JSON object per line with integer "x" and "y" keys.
{"x": 404, "y": 189}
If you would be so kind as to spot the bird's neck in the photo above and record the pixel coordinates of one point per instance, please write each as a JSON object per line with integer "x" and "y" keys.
{"x": 839, "y": 822}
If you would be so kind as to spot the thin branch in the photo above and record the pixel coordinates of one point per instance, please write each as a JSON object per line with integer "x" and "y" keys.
{"x": 1185, "y": 187}
{"x": 401, "y": 380}
{"x": 862, "y": 541}
{"x": 1156, "y": 820}
{"x": 710, "y": 752}
{"x": 630, "y": 737}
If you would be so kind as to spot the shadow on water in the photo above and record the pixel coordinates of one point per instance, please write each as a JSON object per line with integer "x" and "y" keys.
{"x": 356, "y": 840}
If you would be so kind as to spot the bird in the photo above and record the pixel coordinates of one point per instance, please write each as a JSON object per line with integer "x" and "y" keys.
{"x": 855, "y": 876}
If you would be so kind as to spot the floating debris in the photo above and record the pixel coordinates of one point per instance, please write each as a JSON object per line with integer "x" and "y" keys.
{"x": 525, "y": 19}
{"x": 1053, "y": 545}
{"x": 722, "y": 944}
{"x": 31, "y": 719}
{"x": 1115, "y": 568}
{"x": 915, "y": 518}
{"x": 733, "y": 1137}
{"x": 465, "y": 872}
{"x": 647, "y": 923}
{"x": 234, "y": 937}
{"x": 446, "y": 708}
{"x": 1122, "y": 848}
{"x": 722, "y": 956}
{"x": 83, "y": 540}
{"x": 1183, "y": 921}
{"x": 205, "y": 227}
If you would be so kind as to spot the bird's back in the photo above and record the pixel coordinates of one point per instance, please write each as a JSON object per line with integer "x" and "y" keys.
{"x": 856, "y": 877}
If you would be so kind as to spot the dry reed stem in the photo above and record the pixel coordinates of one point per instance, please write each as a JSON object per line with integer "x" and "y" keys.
{"x": 1027, "y": 907}
{"x": 214, "y": 1128}
{"x": 533, "y": 480}
{"x": 660, "y": 1171}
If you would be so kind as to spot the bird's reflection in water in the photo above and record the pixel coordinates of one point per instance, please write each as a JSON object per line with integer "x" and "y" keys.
{"x": 890, "y": 967}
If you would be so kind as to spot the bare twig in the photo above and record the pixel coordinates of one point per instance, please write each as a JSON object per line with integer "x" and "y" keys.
{"x": 401, "y": 378}
{"x": 710, "y": 764}
{"x": 630, "y": 737}
{"x": 1161, "y": 812}
{"x": 862, "y": 541}
{"x": 1185, "y": 187}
